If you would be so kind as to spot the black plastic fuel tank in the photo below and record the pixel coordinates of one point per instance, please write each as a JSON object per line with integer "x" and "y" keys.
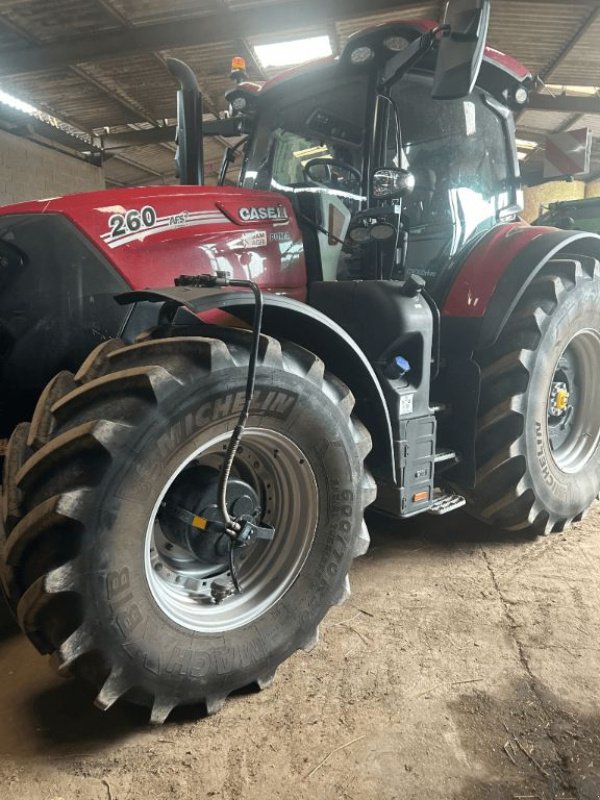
{"x": 393, "y": 325}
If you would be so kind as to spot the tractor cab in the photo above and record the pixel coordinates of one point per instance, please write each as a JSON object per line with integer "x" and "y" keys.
{"x": 392, "y": 168}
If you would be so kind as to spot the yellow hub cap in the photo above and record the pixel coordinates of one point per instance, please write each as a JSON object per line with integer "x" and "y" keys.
{"x": 561, "y": 401}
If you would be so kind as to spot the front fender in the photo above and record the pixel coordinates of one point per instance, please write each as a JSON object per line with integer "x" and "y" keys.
{"x": 289, "y": 319}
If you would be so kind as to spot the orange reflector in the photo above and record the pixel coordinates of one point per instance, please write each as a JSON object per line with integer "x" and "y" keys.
{"x": 420, "y": 496}
{"x": 200, "y": 522}
{"x": 238, "y": 63}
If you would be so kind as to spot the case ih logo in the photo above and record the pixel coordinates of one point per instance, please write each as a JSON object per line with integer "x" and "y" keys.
{"x": 276, "y": 213}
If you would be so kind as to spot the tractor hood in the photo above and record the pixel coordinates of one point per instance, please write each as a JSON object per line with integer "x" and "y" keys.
{"x": 151, "y": 235}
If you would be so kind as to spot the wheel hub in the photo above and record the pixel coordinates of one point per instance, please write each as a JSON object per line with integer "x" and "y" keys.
{"x": 574, "y": 403}
{"x": 559, "y": 399}
{"x": 192, "y": 505}
{"x": 188, "y": 567}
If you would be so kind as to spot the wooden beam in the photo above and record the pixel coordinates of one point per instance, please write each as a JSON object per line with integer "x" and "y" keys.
{"x": 218, "y": 129}
{"x": 210, "y": 28}
{"x": 564, "y": 104}
{"x": 114, "y": 142}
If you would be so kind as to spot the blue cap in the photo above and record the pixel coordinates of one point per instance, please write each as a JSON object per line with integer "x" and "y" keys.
{"x": 403, "y": 364}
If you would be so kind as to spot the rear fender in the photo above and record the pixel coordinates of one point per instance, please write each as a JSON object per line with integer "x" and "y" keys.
{"x": 289, "y": 319}
{"x": 499, "y": 270}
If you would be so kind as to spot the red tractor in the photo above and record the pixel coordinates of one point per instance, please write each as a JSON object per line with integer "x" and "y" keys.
{"x": 365, "y": 320}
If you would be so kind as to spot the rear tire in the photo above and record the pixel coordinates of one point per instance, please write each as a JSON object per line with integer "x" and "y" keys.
{"x": 538, "y": 464}
{"x": 81, "y": 560}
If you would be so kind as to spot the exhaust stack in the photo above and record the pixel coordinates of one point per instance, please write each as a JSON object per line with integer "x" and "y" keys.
{"x": 190, "y": 145}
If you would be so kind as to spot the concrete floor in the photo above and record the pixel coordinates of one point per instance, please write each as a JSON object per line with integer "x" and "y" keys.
{"x": 464, "y": 666}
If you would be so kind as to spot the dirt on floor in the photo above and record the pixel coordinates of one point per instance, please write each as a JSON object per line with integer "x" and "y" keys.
{"x": 464, "y": 667}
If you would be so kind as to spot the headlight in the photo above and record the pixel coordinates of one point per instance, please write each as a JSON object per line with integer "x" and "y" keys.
{"x": 395, "y": 43}
{"x": 382, "y": 231}
{"x": 362, "y": 55}
{"x": 521, "y": 95}
{"x": 360, "y": 234}
{"x": 239, "y": 104}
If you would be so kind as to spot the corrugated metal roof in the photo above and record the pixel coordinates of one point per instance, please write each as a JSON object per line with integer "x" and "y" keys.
{"x": 127, "y": 89}
{"x": 535, "y": 32}
{"x": 53, "y": 20}
{"x": 582, "y": 66}
{"x": 8, "y": 37}
{"x": 143, "y": 12}
{"x": 140, "y": 82}
{"x": 69, "y": 96}
{"x": 543, "y": 121}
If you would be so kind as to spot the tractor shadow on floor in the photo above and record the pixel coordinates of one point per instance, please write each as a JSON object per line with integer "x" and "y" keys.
{"x": 66, "y": 719}
{"x": 528, "y": 743}
{"x": 67, "y": 723}
{"x": 60, "y": 719}
{"x": 46, "y": 714}
{"x": 452, "y": 532}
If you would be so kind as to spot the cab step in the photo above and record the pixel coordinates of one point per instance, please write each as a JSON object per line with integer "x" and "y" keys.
{"x": 446, "y": 503}
{"x": 445, "y": 455}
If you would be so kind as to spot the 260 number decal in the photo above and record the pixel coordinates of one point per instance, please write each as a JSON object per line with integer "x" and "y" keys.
{"x": 132, "y": 221}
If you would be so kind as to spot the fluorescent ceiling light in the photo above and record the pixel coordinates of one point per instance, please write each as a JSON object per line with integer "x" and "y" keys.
{"x": 26, "y": 108}
{"x": 525, "y": 144}
{"x": 14, "y": 102}
{"x": 298, "y": 51}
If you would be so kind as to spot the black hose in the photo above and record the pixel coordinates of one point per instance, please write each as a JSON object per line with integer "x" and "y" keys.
{"x": 238, "y": 432}
{"x": 232, "y": 526}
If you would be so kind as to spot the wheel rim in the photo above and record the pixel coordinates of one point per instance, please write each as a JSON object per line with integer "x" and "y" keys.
{"x": 574, "y": 403}
{"x": 283, "y": 477}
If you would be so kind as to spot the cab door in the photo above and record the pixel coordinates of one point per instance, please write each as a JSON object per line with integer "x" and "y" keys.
{"x": 311, "y": 146}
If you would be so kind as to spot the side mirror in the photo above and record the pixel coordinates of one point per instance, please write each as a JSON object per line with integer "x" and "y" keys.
{"x": 387, "y": 184}
{"x": 332, "y": 174}
{"x": 461, "y": 49}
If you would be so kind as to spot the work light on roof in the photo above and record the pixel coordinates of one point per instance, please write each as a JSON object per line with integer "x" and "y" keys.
{"x": 362, "y": 55}
{"x": 395, "y": 43}
{"x": 239, "y": 104}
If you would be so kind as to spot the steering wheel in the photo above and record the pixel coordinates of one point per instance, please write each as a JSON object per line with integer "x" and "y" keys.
{"x": 328, "y": 166}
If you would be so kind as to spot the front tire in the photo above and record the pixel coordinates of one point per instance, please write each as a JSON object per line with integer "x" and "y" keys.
{"x": 538, "y": 436}
{"x": 105, "y": 583}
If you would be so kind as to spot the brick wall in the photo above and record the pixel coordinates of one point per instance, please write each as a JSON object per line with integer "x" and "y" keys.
{"x": 29, "y": 171}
